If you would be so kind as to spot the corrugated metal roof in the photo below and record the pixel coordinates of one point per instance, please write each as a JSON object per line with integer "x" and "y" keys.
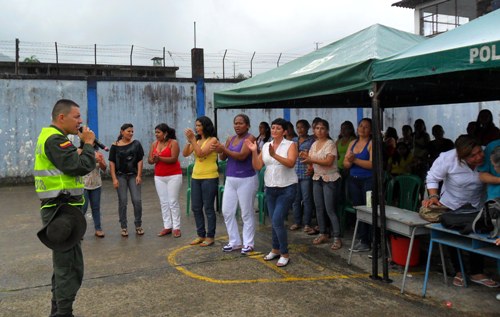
{"x": 411, "y": 4}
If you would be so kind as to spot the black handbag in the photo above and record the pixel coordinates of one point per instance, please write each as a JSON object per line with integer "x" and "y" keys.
{"x": 459, "y": 221}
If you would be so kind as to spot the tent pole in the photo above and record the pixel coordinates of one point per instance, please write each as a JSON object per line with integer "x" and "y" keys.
{"x": 378, "y": 197}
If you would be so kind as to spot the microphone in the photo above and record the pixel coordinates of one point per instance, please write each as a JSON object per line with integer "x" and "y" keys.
{"x": 97, "y": 142}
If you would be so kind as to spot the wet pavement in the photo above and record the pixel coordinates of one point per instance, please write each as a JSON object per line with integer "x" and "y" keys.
{"x": 165, "y": 276}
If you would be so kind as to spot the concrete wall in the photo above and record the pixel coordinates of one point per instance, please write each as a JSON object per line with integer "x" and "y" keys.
{"x": 145, "y": 105}
{"x": 454, "y": 118}
{"x": 25, "y": 107}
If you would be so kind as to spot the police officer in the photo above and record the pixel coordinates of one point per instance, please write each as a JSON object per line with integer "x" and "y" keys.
{"x": 59, "y": 170}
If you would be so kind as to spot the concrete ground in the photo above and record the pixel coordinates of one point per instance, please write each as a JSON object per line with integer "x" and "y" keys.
{"x": 163, "y": 276}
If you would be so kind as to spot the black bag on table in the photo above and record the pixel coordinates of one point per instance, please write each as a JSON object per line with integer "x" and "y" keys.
{"x": 459, "y": 221}
{"x": 488, "y": 218}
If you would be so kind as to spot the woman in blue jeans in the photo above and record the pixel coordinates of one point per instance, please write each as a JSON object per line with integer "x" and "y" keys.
{"x": 92, "y": 193}
{"x": 326, "y": 183}
{"x": 359, "y": 162}
{"x": 205, "y": 179}
{"x": 280, "y": 178}
{"x": 303, "y": 204}
{"x": 125, "y": 163}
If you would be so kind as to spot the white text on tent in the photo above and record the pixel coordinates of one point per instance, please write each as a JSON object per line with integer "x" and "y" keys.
{"x": 485, "y": 53}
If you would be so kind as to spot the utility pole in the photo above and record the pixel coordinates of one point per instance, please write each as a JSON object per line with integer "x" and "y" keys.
{"x": 194, "y": 33}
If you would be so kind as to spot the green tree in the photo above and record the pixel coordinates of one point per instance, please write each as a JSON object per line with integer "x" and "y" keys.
{"x": 31, "y": 59}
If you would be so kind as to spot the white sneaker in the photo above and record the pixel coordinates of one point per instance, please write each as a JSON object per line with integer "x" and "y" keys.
{"x": 246, "y": 250}
{"x": 230, "y": 248}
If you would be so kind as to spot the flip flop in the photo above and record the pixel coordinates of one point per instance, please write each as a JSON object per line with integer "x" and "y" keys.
{"x": 197, "y": 241}
{"x": 488, "y": 282}
{"x": 206, "y": 243}
{"x": 458, "y": 281}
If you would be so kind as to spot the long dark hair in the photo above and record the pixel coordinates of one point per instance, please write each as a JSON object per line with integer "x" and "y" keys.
{"x": 392, "y": 133}
{"x": 267, "y": 131}
{"x": 371, "y": 125}
{"x": 124, "y": 127}
{"x": 169, "y": 132}
{"x": 208, "y": 127}
{"x": 349, "y": 125}
{"x": 396, "y": 157}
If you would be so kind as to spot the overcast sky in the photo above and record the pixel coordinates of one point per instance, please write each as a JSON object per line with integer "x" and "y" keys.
{"x": 263, "y": 26}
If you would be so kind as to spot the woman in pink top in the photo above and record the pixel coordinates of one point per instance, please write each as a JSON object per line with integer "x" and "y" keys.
{"x": 164, "y": 153}
{"x": 326, "y": 183}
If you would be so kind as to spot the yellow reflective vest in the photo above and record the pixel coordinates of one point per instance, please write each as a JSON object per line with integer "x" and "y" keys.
{"x": 50, "y": 182}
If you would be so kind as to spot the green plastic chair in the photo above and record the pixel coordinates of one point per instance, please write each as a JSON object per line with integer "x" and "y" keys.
{"x": 261, "y": 197}
{"x": 345, "y": 207}
{"x": 408, "y": 187}
{"x": 189, "y": 173}
{"x": 220, "y": 188}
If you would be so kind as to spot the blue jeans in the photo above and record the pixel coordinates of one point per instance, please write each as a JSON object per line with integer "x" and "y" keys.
{"x": 127, "y": 182}
{"x": 279, "y": 201}
{"x": 94, "y": 197}
{"x": 304, "y": 190}
{"x": 325, "y": 199}
{"x": 357, "y": 188}
{"x": 203, "y": 192}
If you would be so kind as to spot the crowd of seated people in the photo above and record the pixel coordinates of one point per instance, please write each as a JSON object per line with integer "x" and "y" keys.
{"x": 324, "y": 169}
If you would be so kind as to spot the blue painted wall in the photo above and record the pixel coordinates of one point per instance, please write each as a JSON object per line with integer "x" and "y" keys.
{"x": 92, "y": 109}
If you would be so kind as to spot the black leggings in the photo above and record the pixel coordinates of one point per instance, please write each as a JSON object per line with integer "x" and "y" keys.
{"x": 476, "y": 261}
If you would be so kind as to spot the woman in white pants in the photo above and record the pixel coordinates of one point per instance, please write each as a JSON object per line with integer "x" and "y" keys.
{"x": 164, "y": 153}
{"x": 240, "y": 187}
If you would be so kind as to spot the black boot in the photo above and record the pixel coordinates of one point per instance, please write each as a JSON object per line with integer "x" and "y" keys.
{"x": 53, "y": 309}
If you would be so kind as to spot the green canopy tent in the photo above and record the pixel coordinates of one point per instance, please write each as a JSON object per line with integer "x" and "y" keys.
{"x": 461, "y": 65}
{"x": 337, "y": 75}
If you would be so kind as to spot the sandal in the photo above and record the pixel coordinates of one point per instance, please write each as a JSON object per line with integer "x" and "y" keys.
{"x": 271, "y": 256}
{"x": 321, "y": 239}
{"x": 124, "y": 232}
{"x": 177, "y": 233}
{"x": 488, "y": 282}
{"x": 458, "y": 281}
{"x": 337, "y": 244}
{"x": 282, "y": 261}
{"x": 207, "y": 242}
{"x": 312, "y": 231}
{"x": 295, "y": 227}
{"x": 197, "y": 241}
{"x": 139, "y": 231}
